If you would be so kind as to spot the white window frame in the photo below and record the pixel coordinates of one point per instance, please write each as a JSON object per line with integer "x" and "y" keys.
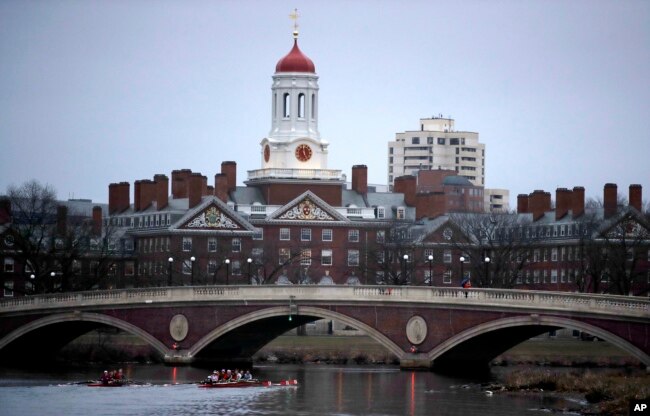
{"x": 236, "y": 245}
{"x": 326, "y": 257}
{"x": 446, "y": 256}
{"x": 305, "y": 257}
{"x": 187, "y": 244}
{"x": 353, "y": 258}
{"x": 212, "y": 244}
{"x": 353, "y": 236}
{"x": 446, "y": 277}
{"x": 327, "y": 234}
{"x": 305, "y": 234}
{"x": 285, "y": 234}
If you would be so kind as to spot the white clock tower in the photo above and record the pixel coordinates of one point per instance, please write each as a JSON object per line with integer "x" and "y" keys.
{"x": 294, "y": 148}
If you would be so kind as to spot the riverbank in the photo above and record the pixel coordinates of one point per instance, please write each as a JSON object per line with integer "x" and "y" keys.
{"x": 604, "y": 393}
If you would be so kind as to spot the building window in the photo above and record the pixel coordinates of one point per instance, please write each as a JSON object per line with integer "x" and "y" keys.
{"x": 284, "y": 256}
{"x": 554, "y": 276}
{"x": 212, "y": 245}
{"x": 381, "y": 256}
{"x": 381, "y": 236}
{"x": 446, "y": 277}
{"x": 9, "y": 289}
{"x": 326, "y": 234}
{"x": 236, "y": 245}
{"x": 301, "y": 105}
{"x": 353, "y": 257}
{"x": 258, "y": 234}
{"x": 285, "y": 235}
{"x": 415, "y": 140}
{"x": 212, "y": 267}
{"x": 187, "y": 267}
{"x": 381, "y": 213}
{"x": 401, "y": 213}
{"x": 429, "y": 140}
{"x": 286, "y": 105}
{"x": 429, "y": 252}
{"x": 536, "y": 256}
{"x": 187, "y": 243}
{"x": 554, "y": 254}
{"x": 305, "y": 257}
{"x": 427, "y": 277}
{"x": 257, "y": 254}
{"x": 326, "y": 257}
{"x": 305, "y": 234}
{"x": 446, "y": 256}
{"x": 129, "y": 268}
{"x": 236, "y": 268}
{"x": 9, "y": 265}
{"x": 353, "y": 236}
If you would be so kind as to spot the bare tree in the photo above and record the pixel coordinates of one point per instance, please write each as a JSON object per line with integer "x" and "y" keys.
{"x": 497, "y": 246}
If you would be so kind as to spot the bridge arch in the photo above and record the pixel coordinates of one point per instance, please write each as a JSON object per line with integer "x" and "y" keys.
{"x": 544, "y": 323}
{"x": 83, "y": 317}
{"x": 305, "y": 311}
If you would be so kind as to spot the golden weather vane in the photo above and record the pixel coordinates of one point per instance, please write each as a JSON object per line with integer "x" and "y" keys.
{"x": 294, "y": 16}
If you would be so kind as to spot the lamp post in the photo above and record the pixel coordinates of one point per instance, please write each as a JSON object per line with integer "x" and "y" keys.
{"x": 227, "y": 261}
{"x": 430, "y": 258}
{"x": 462, "y": 263}
{"x": 406, "y": 258}
{"x": 192, "y": 259}
{"x": 250, "y": 263}
{"x": 169, "y": 271}
{"x": 487, "y": 270}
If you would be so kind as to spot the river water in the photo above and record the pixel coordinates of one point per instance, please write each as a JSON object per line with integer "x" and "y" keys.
{"x": 322, "y": 390}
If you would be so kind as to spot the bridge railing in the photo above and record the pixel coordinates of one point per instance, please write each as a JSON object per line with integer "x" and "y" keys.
{"x": 419, "y": 295}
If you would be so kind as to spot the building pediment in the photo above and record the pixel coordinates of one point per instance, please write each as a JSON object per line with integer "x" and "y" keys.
{"x": 307, "y": 207}
{"x": 214, "y": 215}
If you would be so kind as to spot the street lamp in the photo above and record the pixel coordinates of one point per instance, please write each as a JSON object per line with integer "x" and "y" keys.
{"x": 406, "y": 258}
{"x": 430, "y": 258}
{"x": 169, "y": 271}
{"x": 227, "y": 271}
{"x": 250, "y": 262}
{"x": 487, "y": 270}
{"x": 462, "y": 263}
{"x": 192, "y": 259}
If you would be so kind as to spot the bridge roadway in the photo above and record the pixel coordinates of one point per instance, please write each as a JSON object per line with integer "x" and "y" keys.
{"x": 423, "y": 326}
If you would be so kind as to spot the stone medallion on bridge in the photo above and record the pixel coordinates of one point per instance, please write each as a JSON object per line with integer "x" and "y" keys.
{"x": 178, "y": 327}
{"x": 416, "y": 330}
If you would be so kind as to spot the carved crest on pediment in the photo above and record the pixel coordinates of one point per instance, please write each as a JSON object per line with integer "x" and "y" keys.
{"x": 306, "y": 210}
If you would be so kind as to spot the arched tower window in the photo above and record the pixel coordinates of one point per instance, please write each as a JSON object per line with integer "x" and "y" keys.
{"x": 313, "y": 106}
{"x": 301, "y": 105}
{"x": 287, "y": 105}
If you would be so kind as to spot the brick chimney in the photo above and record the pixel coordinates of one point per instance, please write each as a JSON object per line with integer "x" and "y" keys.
{"x": 562, "y": 202}
{"x": 145, "y": 194}
{"x": 180, "y": 182}
{"x": 229, "y": 168}
{"x": 119, "y": 197}
{"x": 578, "y": 201}
{"x": 97, "y": 220}
{"x": 635, "y": 197}
{"x": 61, "y": 220}
{"x": 610, "y": 193}
{"x": 194, "y": 190}
{"x": 538, "y": 203}
{"x": 204, "y": 186}
{"x": 522, "y": 204}
{"x": 162, "y": 191}
{"x": 360, "y": 179}
{"x": 406, "y": 185}
{"x": 221, "y": 187}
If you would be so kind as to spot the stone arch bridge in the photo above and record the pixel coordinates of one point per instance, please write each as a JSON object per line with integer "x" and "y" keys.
{"x": 423, "y": 326}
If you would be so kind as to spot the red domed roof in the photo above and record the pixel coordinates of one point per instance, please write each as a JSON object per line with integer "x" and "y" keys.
{"x": 295, "y": 61}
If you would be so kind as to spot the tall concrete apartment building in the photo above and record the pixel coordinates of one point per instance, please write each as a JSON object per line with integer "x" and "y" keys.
{"x": 437, "y": 145}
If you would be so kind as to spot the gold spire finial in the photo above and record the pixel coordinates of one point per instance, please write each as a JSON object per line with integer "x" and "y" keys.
{"x": 294, "y": 16}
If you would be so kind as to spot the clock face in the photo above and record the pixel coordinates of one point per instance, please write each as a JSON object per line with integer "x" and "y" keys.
{"x": 267, "y": 153}
{"x": 303, "y": 152}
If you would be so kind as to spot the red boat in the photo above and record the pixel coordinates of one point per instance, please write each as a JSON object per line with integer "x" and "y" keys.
{"x": 100, "y": 384}
{"x": 240, "y": 383}
{"x": 247, "y": 383}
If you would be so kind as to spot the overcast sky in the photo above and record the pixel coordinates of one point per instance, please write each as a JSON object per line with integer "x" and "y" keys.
{"x": 94, "y": 92}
